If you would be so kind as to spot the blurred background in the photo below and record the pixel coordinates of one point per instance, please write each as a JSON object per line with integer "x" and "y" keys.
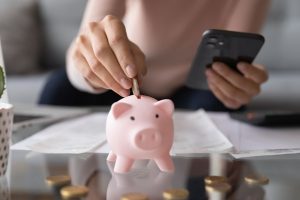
{"x": 36, "y": 33}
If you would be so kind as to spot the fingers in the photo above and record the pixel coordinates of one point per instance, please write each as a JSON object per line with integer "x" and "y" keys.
{"x": 103, "y": 53}
{"x": 228, "y": 102}
{"x": 246, "y": 85}
{"x": 139, "y": 57}
{"x": 107, "y": 58}
{"x": 229, "y": 90}
{"x": 232, "y": 88}
{"x": 140, "y": 61}
{"x": 254, "y": 72}
{"x": 83, "y": 67}
{"x": 119, "y": 43}
{"x": 96, "y": 69}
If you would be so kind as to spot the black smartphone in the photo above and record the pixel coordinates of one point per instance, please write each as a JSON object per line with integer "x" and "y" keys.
{"x": 229, "y": 47}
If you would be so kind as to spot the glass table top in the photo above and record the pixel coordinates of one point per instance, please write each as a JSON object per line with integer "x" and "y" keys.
{"x": 36, "y": 176}
{"x": 211, "y": 176}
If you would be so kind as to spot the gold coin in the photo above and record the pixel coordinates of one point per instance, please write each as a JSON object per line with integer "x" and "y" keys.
{"x": 71, "y": 192}
{"x": 176, "y": 194}
{"x": 215, "y": 179}
{"x": 256, "y": 180}
{"x": 135, "y": 88}
{"x": 134, "y": 196}
{"x": 222, "y": 187}
{"x": 59, "y": 180}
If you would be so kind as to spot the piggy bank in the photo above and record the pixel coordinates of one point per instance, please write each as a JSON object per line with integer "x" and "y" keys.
{"x": 140, "y": 129}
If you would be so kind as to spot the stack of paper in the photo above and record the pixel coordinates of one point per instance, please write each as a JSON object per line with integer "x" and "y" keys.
{"x": 74, "y": 136}
{"x": 194, "y": 133}
{"x": 249, "y": 140}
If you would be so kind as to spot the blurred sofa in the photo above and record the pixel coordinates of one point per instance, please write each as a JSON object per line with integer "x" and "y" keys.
{"x": 36, "y": 33}
{"x": 54, "y": 23}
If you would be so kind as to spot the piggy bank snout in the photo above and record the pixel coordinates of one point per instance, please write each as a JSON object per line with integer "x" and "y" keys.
{"x": 147, "y": 139}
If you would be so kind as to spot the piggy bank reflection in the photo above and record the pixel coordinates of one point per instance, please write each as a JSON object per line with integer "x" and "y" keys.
{"x": 147, "y": 180}
{"x": 140, "y": 129}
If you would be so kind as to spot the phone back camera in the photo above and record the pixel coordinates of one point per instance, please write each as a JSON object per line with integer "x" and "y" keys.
{"x": 210, "y": 45}
{"x": 213, "y": 39}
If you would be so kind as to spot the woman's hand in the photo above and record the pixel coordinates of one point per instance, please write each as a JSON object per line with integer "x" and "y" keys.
{"x": 232, "y": 88}
{"x": 106, "y": 58}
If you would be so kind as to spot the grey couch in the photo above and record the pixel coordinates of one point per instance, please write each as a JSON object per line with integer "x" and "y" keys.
{"x": 281, "y": 55}
{"x": 50, "y": 23}
{"x": 57, "y": 22}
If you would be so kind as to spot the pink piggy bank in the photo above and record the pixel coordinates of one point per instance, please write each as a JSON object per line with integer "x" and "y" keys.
{"x": 140, "y": 129}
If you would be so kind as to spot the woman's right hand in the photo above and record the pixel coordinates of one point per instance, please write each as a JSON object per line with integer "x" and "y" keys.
{"x": 106, "y": 58}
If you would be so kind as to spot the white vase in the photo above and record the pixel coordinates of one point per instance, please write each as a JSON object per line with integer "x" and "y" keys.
{"x": 6, "y": 122}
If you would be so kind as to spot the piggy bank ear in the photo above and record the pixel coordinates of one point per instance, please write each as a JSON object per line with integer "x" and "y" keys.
{"x": 165, "y": 105}
{"x": 119, "y": 108}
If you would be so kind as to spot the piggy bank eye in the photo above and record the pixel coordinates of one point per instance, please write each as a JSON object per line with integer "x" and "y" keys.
{"x": 132, "y": 118}
{"x": 156, "y": 116}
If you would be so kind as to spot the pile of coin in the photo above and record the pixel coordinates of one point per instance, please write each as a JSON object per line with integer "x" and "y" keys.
{"x": 58, "y": 180}
{"x": 218, "y": 184}
{"x": 255, "y": 179}
{"x": 134, "y": 196}
{"x": 61, "y": 185}
{"x": 176, "y": 194}
{"x": 72, "y": 192}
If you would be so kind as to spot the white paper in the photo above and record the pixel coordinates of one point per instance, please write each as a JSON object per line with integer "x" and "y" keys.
{"x": 249, "y": 140}
{"x": 74, "y": 136}
{"x": 194, "y": 133}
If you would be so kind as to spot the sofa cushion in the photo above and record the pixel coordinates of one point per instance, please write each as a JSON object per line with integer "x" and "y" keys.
{"x": 281, "y": 31}
{"x": 20, "y": 35}
{"x": 280, "y": 92}
{"x": 60, "y": 21}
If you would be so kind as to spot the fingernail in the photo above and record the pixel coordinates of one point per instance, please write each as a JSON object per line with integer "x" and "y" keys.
{"x": 124, "y": 93}
{"x": 208, "y": 72}
{"x": 130, "y": 71}
{"x": 126, "y": 84}
{"x": 92, "y": 26}
{"x": 217, "y": 66}
{"x": 242, "y": 66}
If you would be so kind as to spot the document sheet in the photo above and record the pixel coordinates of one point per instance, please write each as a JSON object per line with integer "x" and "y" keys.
{"x": 249, "y": 140}
{"x": 194, "y": 133}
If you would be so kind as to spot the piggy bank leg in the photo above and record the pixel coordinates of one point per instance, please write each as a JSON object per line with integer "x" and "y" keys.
{"x": 111, "y": 157}
{"x": 165, "y": 163}
{"x": 123, "y": 164}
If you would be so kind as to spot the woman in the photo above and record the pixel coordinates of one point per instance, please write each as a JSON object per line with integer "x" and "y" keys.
{"x": 155, "y": 41}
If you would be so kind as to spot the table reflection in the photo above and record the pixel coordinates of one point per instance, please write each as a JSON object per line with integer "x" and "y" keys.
{"x": 145, "y": 178}
{"x": 95, "y": 173}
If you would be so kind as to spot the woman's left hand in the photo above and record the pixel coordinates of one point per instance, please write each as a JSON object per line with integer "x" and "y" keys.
{"x": 234, "y": 89}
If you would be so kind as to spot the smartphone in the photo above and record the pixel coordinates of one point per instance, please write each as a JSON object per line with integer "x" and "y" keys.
{"x": 229, "y": 47}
